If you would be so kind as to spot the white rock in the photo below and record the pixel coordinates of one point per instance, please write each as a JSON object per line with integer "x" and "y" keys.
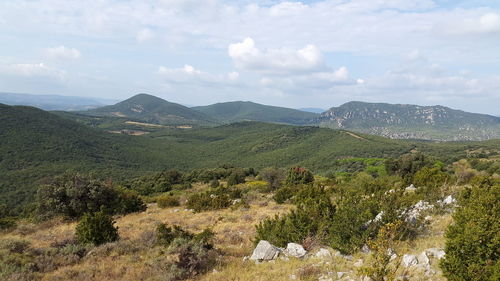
{"x": 325, "y": 278}
{"x": 392, "y": 254}
{"x": 323, "y": 253}
{"x": 358, "y": 263}
{"x": 436, "y": 253}
{"x": 293, "y": 277}
{"x": 411, "y": 188}
{"x": 423, "y": 259}
{"x": 265, "y": 251}
{"x": 449, "y": 200}
{"x": 295, "y": 250}
{"x": 410, "y": 260}
{"x": 365, "y": 249}
{"x": 340, "y": 274}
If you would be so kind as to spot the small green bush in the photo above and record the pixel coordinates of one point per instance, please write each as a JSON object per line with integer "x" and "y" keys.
{"x": 127, "y": 201}
{"x": 299, "y": 175}
{"x": 166, "y": 234}
{"x": 207, "y": 201}
{"x": 96, "y": 229}
{"x": 165, "y": 201}
{"x": 472, "y": 241}
{"x": 236, "y": 177}
{"x": 7, "y": 223}
{"x": 311, "y": 218}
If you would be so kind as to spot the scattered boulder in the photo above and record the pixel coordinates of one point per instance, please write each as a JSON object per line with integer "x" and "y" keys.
{"x": 323, "y": 253}
{"x": 340, "y": 274}
{"x": 365, "y": 249}
{"x": 410, "y": 188}
{"x": 358, "y": 263}
{"x": 409, "y": 260}
{"x": 295, "y": 250}
{"x": 423, "y": 260}
{"x": 392, "y": 254}
{"x": 449, "y": 200}
{"x": 265, "y": 251}
{"x": 412, "y": 214}
{"x": 436, "y": 253}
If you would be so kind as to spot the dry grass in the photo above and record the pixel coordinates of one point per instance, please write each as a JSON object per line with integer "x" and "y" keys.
{"x": 134, "y": 257}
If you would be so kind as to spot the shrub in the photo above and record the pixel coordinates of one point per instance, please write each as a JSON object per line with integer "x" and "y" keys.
{"x": 236, "y": 177}
{"x": 7, "y": 223}
{"x": 429, "y": 181}
{"x": 473, "y": 239}
{"x": 208, "y": 200}
{"x": 349, "y": 229}
{"x": 96, "y": 229}
{"x": 407, "y": 165}
{"x": 285, "y": 193}
{"x": 165, "y": 201}
{"x": 214, "y": 183}
{"x": 273, "y": 176}
{"x": 73, "y": 194}
{"x": 381, "y": 267}
{"x": 166, "y": 234}
{"x": 128, "y": 201}
{"x": 311, "y": 218}
{"x": 298, "y": 175}
{"x": 194, "y": 259}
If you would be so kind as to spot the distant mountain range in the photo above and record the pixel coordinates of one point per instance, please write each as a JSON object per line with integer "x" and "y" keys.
{"x": 404, "y": 121}
{"x": 397, "y": 121}
{"x": 54, "y": 102}
{"x": 230, "y": 112}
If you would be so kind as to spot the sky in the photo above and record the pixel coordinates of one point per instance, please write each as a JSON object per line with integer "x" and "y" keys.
{"x": 287, "y": 53}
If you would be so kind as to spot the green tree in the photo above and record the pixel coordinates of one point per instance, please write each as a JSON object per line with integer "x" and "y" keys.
{"x": 473, "y": 240}
{"x": 96, "y": 228}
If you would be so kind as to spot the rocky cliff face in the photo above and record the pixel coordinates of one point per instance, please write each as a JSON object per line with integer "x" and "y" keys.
{"x": 403, "y": 121}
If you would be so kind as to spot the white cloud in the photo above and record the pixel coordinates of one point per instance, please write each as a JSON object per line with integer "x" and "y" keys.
{"x": 31, "y": 70}
{"x": 247, "y": 56}
{"x": 474, "y": 24}
{"x": 144, "y": 35}
{"x": 63, "y": 53}
{"x": 190, "y": 75}
{"x": 233, "y": 75}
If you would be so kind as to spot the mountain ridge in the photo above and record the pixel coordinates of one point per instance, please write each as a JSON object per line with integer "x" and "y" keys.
{"x": 235, "y": 111}
{"x": 152, "y": 109}
{"x": 411, "y": 121}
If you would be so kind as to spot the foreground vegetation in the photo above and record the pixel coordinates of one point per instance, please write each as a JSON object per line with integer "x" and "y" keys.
{"x": 202, "y": 223}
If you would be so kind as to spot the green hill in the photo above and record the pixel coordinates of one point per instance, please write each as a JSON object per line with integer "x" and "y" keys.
{"x": 36, "y": 144}
{"x": 230, "y": 112}
{"x": 150, "y": 109}
{"x": 404, "y": 121}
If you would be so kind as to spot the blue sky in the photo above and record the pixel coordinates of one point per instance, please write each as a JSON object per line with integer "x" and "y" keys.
{"x": 296, "y": 54}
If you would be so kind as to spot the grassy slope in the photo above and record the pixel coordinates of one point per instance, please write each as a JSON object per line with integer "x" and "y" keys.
{"x": 229, "y": 112}
{"x": 132, "y": 259}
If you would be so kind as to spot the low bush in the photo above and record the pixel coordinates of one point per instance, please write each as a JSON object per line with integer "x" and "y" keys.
{"x": 73, "y": 194}
{"x": 165, "y": 201}
{"x": 96, "y": 228}
{"x": 299, "y": 175}
{"x": 472, "y": 241}
{"x": 215, "y": 199}
{"x": 311, "y": 218}
{"x": 273, "y": 176}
